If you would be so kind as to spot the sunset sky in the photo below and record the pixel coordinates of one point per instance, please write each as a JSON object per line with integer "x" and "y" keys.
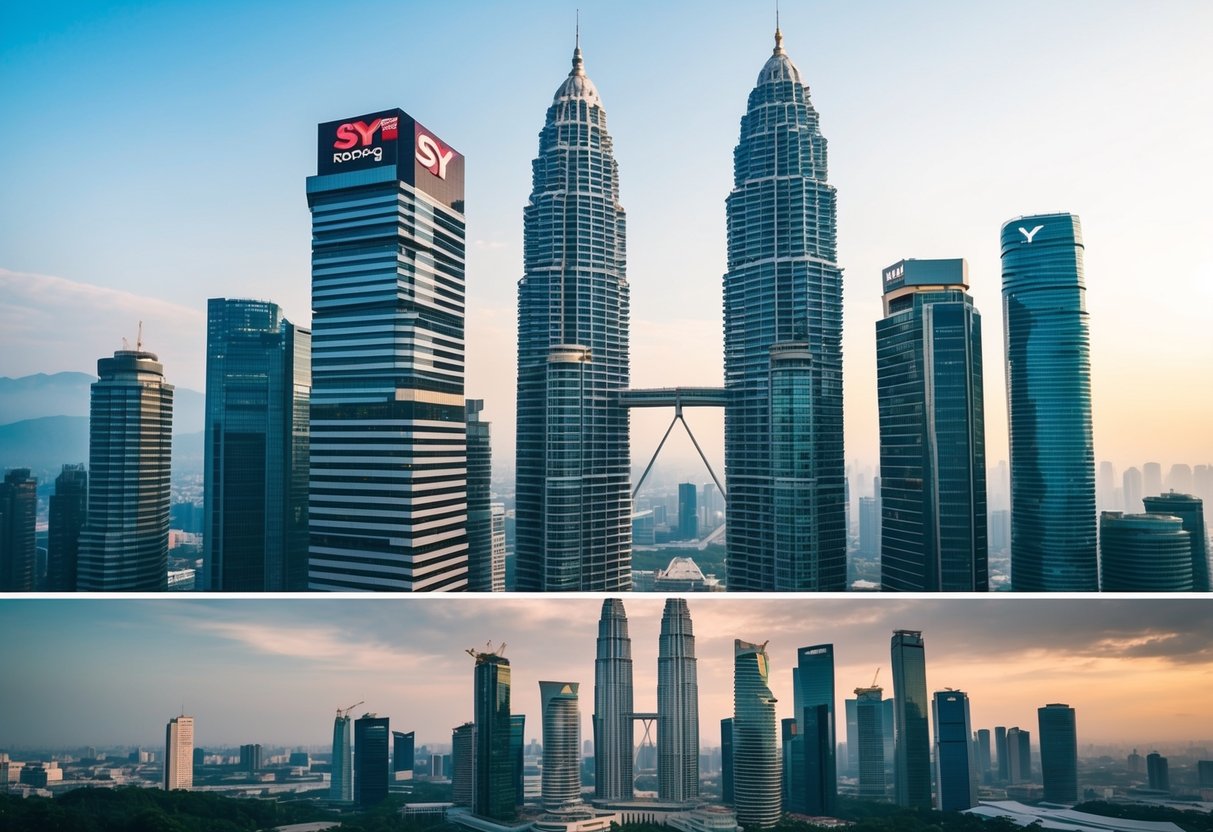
{"x": 91, "y": 672}
{"x": 158, "y": 152}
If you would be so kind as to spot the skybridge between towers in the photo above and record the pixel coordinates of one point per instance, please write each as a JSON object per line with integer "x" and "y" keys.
{"x": 677, "y": 398}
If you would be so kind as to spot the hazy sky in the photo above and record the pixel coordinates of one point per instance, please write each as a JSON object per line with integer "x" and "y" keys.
{"x": 274, "y": 671}
{"x": 158, "y": 152}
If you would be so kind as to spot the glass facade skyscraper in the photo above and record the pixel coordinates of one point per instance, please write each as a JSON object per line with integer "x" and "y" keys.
{"x": 815, "y": 790}
{"x": 480, "y": 511}
{"x": 1190, "y": 511}
{"x": 912, "y": 749}
{"x": 341, "y": 781}
{"x": 493, "y": 795}
{"x": 677, "y": 706}
{"x": 371, "y": 773}
{"x": 1058, "y": 753}
{"x": 932, "y": 431}
{"x": 1144, "y": 553}
{"x": 869, "y": 732}
{"x": 573, "y": 491}
{"x": 124, "y": 543}
{"x": 727, "y": 790}
{"x": 258, "y": 384}
{"x": 955, "y": 759}
{"x": 68, "y": 508}
{"x": 756, "y": 757}
{"x": 18, "y": 512}
{"x": 561, "y": 785}
{"x": 783, "y": 440}
{"x": 387, "y": 506}
{"x": 613, "y": 736}
{"x": 1048, "y": 360}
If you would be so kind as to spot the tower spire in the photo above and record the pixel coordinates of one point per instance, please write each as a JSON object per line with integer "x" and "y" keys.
{"x": 778, "y": 35}
{"x": 578, "y": 63}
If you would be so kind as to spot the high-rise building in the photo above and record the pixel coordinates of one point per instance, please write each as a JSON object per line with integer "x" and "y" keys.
{"x": 573, "y": 477}
{"x": 18, "y": 513}
{"x": 783, "y": 438}
{"x": 494, "y": 795}
{"x": 497, "y": 551}
{"x": 984, "y": 760}
{"x": 463, "y": 764}
{"x": 371, "y": 777}
{"x": 403, "y": 755}
{"x": 869, "y": 526}
{"x": 613, "y": 737}
{"x": 1179, "y": 478}
{"x": 869, "y": 732}
{"x": 1058, "y": 753}
{"x": 677, "y": 705}
{"x": 955, "y": 762}
{"x": 1131, "y": 485}
{"x": 1144, "y": 553}
{"x": 387, "y": 498}
{"x": 561, "y": 745}
{"x": 1151, "y": 478}
{"x": 68, "y": 509}
{"x": 517, "y": 732}
{"x": 1105, "y": 487}
{"x": 479, "y": 511}
{"x": 727, "y": 790}
{"x": 341, "y": 782}
{"x": 258, "y": 383}
{"x": 179, "y": 753}
{"x": 756, "y": 759}
{"x": 1204, "y": 773}
{"x": 1019, "y": 755}
{"x": 932, "y": 431}
{"x": 124, "y": 542}
{"x": 1048, "y": 364}
{"x": 250, "y": 757}
{"x": 1134, "y": 762}
{"x": 1157, "y": 772}
{"x": 688, "y": 512}
{"x": 1190, "y": 510}
{"x": 912, "y": 768}
{"x": 1004, "y": 753}
{"x": 811, "y": 786}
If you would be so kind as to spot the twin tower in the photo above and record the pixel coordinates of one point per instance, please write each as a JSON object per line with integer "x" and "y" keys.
{"x": 782, "y": 391}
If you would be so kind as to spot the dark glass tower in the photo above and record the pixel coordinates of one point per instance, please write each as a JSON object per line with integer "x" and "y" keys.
{"x": 1157, "y": 772}
{"x": 756, "y": 759}
{"x": 1190, "y": 510}
{"x": 1144, "y": 553}
{"x": 1058, "y": 753}
{"x": 869, "y": 730}
{"x": 1004, "y": 753}
{"x": 480, "y": 514}
{"x": 494, "y": 795}
{"x": 786, "y": 514}
{"x": 912, "y": 767}
{"x": 258, "y": 383}
{"x": 387, "y": 495}
{"x": 403, "y": 753}
{"x": 463, "y": 764}
{"x": 955, "y": 761}
{"x": 341, "y": 782}
{"x": 613, "y": 740}
{"x": 815, "y": 791}
{"x": 68, "y": 508}
{"x": 371, "y": 776}
{"x": 688, "y": 513}
{"x": 124, "y": 543}
{"x": 677, "y": 706}
{"x": 573, "y": 494}
{"x": 932, "y": 431}
{"x": 18, "y": 512}
{"x": 727, "y": 790}
{"x": 1049, "y": 405}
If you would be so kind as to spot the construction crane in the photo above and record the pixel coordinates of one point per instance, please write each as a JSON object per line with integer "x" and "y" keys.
{"x": 875, "y": 676}
{"x": 487, "y": 651}
{"x": 343, "y": 713}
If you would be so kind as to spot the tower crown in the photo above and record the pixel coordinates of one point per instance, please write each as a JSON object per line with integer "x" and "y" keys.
{"x": 578, "y": 85}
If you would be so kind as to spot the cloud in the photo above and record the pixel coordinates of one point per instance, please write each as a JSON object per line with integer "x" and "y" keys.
{"x": 38, "y": 310}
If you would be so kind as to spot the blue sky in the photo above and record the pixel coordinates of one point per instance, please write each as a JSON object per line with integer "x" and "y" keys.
{"x": 95, "y": 672}
{"x": 159, "y": 153}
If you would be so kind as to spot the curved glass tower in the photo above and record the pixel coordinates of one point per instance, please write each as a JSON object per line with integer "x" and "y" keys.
{"x": 573, "y": 489}
{"x": 756, "y": 759}
{"x": 561, "y": 745}
{"x": 1058, "y": 753}
{"x": 613, "y": 741}
{"x": 1144, "y": 553}
{"x": 782, "y": 347}
{"x": 1049, "y": 405}
{"x": 677, "y": 706}
{"x": 1190, "y": 510}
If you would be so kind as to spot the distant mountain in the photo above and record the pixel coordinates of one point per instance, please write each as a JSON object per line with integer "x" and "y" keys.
{"x": 67, "y": 394}
{"x": 43, "y": 445}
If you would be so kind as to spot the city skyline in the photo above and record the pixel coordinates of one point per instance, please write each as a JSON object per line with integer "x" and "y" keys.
{"x": 1005, "y": 139}
{"x": 406, "y": 658}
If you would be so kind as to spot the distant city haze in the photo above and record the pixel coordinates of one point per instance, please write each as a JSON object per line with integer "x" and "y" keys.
{"x": 99, "y": 672}
{"x": 151, "y": 178}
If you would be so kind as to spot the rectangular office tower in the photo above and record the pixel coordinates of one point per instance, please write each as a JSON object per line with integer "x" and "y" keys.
{"x": 1058, "y": 753}
{"x": 1048, "y": 355}
{"x": 912, "y": 750}
{"x": 258, "y": 383}
{"x": 371, "y": 778}
{"x": 955, "y": 757}
{"x": 811, "y": 781}
{"x": 124, "y": 542}
{"x": 18, "y": 513}
{"x": 179, "y": 753}
{"x": 932, "y": 433}
{"x": 387, "y": 505}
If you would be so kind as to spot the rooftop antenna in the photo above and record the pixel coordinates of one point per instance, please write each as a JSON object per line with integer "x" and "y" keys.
{"x": 139, "y": 348}
{"x": 577, "y": 36}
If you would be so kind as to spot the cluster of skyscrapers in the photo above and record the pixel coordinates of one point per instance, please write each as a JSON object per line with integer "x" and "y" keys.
{"x": 347, "y": 458}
